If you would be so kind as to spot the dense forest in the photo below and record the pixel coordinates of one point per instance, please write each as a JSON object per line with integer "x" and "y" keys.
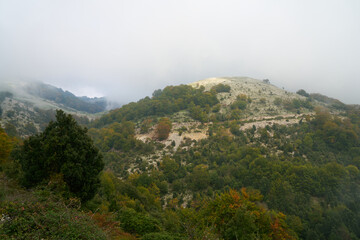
{"x": 280, "y": 181}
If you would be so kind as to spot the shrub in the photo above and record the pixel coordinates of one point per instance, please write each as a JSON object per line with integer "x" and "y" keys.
{"x": 239, "y": 104}
{"x": 220, "y": 88}
{"x": 134, "y": 222}
{"x": 45, "y": 220}
{"x": 302, "y": 92}
{"x": 159, "y": 236}
{"x": 278, "y": 101}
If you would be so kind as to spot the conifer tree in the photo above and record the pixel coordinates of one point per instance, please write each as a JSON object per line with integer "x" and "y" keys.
{"x": 63, "y": 149}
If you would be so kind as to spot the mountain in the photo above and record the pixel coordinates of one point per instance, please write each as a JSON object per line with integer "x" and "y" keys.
{"x": 190, "y": 144}
{"x": 64, "y": 98}
{"x": 238, "y": 104}
{"x": 26, "y": 107}
{"x": 246, "y": 99}
{"x": 227, "y": 158}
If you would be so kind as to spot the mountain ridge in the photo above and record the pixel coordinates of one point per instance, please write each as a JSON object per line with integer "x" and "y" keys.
{"x": 26, "y": 107}
{"x": 187, "y": 157}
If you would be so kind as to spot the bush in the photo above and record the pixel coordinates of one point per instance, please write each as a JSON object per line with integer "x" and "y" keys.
{"x": 159, "y": 236}
{"x": 134, "y": 222}
{"x": 45, "y": 220}
{"x": 239, "y": 104}
{"x": 278, "y": 101}
{"x": 220, "y": 88}
{"x": 302, "y": 92}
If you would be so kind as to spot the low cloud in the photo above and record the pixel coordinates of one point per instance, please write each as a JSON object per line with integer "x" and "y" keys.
{"x": 127, "y": 49}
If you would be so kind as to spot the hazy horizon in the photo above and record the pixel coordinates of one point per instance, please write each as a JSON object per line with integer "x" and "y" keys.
{"x": 126, "y": 49}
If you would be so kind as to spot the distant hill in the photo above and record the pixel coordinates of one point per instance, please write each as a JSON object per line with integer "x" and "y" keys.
{"x": 267, "y": 99}
{"x": 26, "y": 107}
{"x": 66, "y": 98}
{"x": 226, "y": 98}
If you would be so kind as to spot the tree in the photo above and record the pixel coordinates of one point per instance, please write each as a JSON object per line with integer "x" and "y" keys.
{"x": 5, "y": 146}
{"x": 199, "y": 179}
{"x": 241, "y": 102}
{"x": 238, "y": 216}
{"x": 163, "y": 129}
{"x": 63, "y": 149}
{"x": 145, "y": 126}
{"x": 220, "y": 88}
{"x": 302, "y": 92}
{"x": 139, "y": 223}
{"x": 170, "y": 168}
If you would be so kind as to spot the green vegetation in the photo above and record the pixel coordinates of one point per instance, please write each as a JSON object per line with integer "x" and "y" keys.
{"x": 66, "y": 98}
{"x": 240, "y": 103}
{"x": 334, "y": 103}
{"x": 294, "y": 105}
{"x": 63, "y": 151}
{"x": 50, "y": 219}
{"x": 40, "y": 214}
{"x": 308, "y": 171}
{"x": 4, "y": 95}
{"x": 272, "y": 181}
{"x": 220, "y": 88}
{"x": 27, "y": 115}
{"x": 236, "y": 215}
{"x": 167, "y": 101}
{"x": 163, "y": 129}
{"x": 302, "y": 92}
{"x": 6, "y": 144}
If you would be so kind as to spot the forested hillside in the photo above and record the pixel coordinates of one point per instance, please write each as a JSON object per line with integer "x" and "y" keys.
{"x": 66, "y": 98}
{"x": 27, "y": 107}
{"x": 218, "y": 159}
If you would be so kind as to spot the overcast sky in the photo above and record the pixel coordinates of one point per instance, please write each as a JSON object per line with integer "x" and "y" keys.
{"x": 127, "y": 49}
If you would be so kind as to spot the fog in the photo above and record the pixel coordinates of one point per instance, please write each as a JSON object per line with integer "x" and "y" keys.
{"x": 127, "y": 49}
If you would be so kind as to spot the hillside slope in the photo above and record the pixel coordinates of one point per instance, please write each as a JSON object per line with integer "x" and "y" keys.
{"x": 230, "y": 157}
{"x": 192, "y": 143}
{"x": 26, "y": 107}
{"x": 261, "y": 93}
{"x": 265, "y": 105}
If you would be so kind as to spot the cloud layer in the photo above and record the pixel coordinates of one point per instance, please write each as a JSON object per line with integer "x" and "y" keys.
{"x": 127, "y": 49}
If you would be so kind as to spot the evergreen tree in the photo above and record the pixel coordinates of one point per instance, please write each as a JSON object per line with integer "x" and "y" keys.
{"x": 63, "y": 148}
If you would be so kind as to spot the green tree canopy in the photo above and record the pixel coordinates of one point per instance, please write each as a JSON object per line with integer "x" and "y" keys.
{"x": 63, "y": 148}
{"x": 221, "y": 88}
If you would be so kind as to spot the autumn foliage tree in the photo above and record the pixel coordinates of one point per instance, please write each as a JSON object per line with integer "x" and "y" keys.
{"x": 238, "y": 215}
{"x": 5, "y": 146}
{"x": 163, "y": 129}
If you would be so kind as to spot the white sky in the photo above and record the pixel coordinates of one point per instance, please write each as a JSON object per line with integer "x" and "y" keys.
{"x": 127, "y": 49}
